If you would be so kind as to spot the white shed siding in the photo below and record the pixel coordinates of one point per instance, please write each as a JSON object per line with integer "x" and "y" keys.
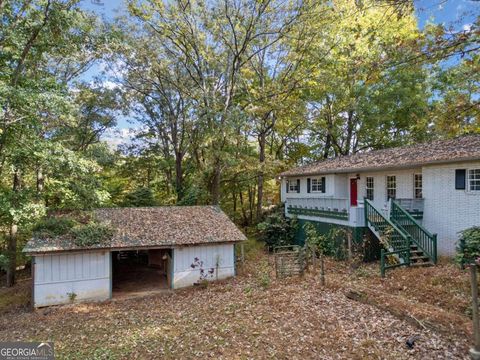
{"x": 183, "y": 258}
{"x": 448, "y": 211}
{"x": 85, "y": 274}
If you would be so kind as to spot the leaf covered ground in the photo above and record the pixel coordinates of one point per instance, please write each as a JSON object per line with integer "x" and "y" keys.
{"x": 254, "y": 316}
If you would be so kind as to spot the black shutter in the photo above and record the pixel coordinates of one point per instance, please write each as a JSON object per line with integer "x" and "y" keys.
{"x": 298, "y": 185}
{"x": 308, "y": 185}
{"x": 323, "y": 185}
{"x": 287, "y": 182}
{"x": 460, "y": 177}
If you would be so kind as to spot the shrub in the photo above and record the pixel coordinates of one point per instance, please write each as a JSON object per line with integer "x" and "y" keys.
{"x": 4, "y": 262}
{"x": 53, "y": 226}
{"x": 277, "y": 230}
{"x": 468, "y": 247}
{"x": 142, "y": 196}
{"x": 91, "y": 234}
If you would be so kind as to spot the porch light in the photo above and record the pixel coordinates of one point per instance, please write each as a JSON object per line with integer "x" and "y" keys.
{"x": 358, "y": 176}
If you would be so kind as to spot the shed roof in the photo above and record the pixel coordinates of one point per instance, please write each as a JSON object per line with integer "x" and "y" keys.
{"x": 462, "y": 148}
{"x": 148, "y": 227}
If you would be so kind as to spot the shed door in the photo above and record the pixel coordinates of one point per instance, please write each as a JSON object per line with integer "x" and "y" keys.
{"x": 353, "y": 192}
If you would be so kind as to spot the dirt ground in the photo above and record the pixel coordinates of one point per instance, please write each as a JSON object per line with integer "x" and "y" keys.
{"x": 257, "y": 316}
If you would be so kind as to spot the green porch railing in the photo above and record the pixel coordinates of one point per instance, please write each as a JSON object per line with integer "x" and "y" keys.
{"x": 399, "y": 241}
{"x": 420, "y": 236}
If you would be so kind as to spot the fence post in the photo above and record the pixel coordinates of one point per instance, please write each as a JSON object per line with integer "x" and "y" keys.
{"x": 435, "y": 249}
{"x": 409, "y": 243}
{"x": 382, "y": 262}
{"x": 475, "y": 351}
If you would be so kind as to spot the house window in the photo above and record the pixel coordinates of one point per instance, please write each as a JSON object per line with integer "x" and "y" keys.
{"x": 369, "y": 188}
{"x": 293, "y": 186}
{"x": 391, "y": 187}
{"x": 417, "y": 186}
{"x": 317, "y": 185}
{"x": 474, "y": 180}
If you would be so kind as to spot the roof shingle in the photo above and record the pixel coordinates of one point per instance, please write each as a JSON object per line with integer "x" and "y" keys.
{"x": 439, "y": 151}
{"x": 152, "y": 226}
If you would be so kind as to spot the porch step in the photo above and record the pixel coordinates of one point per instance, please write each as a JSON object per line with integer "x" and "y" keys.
{"x": 418, "y": 258}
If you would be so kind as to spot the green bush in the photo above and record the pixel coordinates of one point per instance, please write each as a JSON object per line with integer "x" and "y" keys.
{"x": 468, "y": 247}
{"x": 142, "y": 196}
{"x": 53, "y": 226}
{"x": 277, "y": 230}
{"x": 3, "y": 262}
{"x": 91, "y": 234}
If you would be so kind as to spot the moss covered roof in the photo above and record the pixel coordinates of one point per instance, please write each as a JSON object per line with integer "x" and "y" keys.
{"x": 150, "y": 227}
{"x": 439, "y": 151}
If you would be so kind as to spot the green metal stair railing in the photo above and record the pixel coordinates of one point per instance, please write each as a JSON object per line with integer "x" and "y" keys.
{"x": 398, "y": 240}
{"x": 420, "y": 236}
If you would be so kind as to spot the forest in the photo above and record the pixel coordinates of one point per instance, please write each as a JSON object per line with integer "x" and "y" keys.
{"x": 221, "y": 96}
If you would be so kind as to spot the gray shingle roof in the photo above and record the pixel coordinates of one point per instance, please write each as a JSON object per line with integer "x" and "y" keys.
{"x": 152, "y": 226}
{"x": 439, "y": 151}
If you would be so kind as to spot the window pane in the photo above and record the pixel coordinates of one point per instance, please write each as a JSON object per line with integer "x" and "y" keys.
{"x": 474, "y": 180}
{"x": 417, "y": 186}
{"x": 369, "y": 188}
{"x": 391, "y": 187}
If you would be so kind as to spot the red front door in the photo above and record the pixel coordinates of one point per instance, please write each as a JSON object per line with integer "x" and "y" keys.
{"x": 353, "y": 192}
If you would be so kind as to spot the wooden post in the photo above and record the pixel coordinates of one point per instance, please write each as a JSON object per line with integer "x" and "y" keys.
{"x": 322, "y": 269}
{"x": 349, "y": 244}
{"x": 475, "y": 351}
{"x": 314, "y": 260}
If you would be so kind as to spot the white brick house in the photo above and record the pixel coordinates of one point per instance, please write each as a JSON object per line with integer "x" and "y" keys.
{"x": 437, "y": 183}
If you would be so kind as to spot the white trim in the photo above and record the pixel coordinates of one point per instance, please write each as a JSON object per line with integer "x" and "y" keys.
{"x": 368, "y": 188}
{"x": 293, "y": 189}
{"x": 415, "y": 186}
{"x": 319, "y": 184}
{"x": 386, "y": 185}
{"x": 467, "y": 187}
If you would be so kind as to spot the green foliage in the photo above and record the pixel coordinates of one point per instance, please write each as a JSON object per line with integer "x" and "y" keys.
{"x": 263, "y": 275}
{"x": 91, "y": 234}
{"x": 194, "y": 195}
{"x": 53, "y": 226}
{"x": 71, "y": 296}
{"x": 140, "y": 197}
{"x": 327, "y": 244}
{"x": 468, "y": 247}
{"x": 278, "y": 230}
{"x": 4, "y": 262}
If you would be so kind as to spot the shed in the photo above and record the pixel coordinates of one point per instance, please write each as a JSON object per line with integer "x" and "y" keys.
{"x": 151, "y": 248}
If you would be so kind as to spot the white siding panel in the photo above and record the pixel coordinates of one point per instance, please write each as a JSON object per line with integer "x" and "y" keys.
{"x": 183, "y": 258}
{"x": 448, "y": 211}
{"x": 85, "y": 274}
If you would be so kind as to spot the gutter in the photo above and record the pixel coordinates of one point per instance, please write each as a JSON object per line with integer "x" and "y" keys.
{"x": 127, "y": 248}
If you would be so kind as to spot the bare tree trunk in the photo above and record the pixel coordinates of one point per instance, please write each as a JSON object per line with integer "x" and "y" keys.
{"x": 179, "y": 176}
{"x": 40, "y": 180}
{"x": 12, "y": 239}
{"x": 234, "y": 198}
{"x": 215, "y": 186}
{"x": 261, "y": 143}
{"x": 244, "y": 213}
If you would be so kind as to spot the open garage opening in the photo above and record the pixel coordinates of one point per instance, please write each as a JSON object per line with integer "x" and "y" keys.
{"x": 140, "y": 271}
